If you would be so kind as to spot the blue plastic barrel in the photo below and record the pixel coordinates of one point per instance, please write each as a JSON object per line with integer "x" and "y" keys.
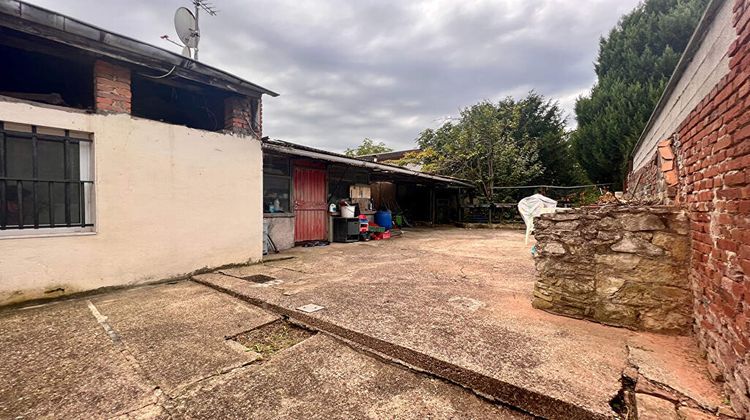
{"x": 383, "y": 218}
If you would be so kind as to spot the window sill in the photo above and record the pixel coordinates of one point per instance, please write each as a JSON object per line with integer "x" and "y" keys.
{"x": 271, "y": 215}
{"x": 46, "y": 233}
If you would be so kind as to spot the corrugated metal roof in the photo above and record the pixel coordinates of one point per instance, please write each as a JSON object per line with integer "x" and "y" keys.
{"x": 288, "y": 148}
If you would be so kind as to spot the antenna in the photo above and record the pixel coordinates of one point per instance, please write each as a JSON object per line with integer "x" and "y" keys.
{"x": 186, "y": 25}
{"x": 205, "y": 5}
{"x": 208, "y": 8}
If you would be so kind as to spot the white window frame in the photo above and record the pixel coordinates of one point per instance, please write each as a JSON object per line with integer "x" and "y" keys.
{"x": 86, "y": 173}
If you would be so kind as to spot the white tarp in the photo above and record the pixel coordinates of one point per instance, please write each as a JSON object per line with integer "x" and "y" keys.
{"x": 531, "y": 207}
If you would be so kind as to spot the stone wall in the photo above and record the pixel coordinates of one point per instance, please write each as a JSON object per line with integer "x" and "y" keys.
{"x": 619, "y": 265}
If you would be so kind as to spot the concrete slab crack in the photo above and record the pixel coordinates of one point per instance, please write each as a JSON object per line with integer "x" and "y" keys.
{"x": 102, "y": 320}
{"x": 157, "y": 405}
{"x": 648, "y": 384}
{"x": 183, "y": 388}
{"x": 123, "y": 348}
{"x": 513, "y": 395}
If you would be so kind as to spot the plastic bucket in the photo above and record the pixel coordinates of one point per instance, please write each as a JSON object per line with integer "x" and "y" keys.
{"x": 347, "y": 211}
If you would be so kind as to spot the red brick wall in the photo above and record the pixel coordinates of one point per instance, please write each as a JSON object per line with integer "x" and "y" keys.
{"x": 646, "y": 183}
{"x": 714, "y": 155}
{"x": 657, "y": 181}
{"x": 111, "y": 87}
{"x": 238, "y": 115}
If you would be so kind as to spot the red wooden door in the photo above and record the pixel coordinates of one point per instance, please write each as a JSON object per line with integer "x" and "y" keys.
{"x": 310, "y": 204}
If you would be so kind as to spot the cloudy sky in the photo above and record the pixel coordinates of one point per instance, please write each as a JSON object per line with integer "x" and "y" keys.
{"x": 384, "y": 69}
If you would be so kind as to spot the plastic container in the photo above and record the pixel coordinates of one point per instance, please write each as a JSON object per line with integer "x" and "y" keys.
{"x": 347, "y": 211}
{"x": 383, "y": 218}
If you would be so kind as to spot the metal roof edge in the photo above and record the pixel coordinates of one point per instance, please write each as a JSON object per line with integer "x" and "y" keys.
{"x": 41, "y": 16}
{"x": 300, "y": 150}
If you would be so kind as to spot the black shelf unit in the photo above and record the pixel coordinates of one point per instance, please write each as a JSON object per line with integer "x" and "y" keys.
{"x": 345, "y": 229}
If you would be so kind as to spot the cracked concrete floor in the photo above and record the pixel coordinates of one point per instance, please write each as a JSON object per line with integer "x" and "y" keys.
{"x": 160, "y": 351}
{"x": 463, "y": 299}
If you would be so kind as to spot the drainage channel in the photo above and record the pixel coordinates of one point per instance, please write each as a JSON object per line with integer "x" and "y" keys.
{"x": 530, "y": 401}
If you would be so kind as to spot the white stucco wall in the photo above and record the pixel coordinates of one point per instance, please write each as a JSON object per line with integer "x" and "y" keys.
{"x": 708, "y": 66}
{"x": 168, "y": 200}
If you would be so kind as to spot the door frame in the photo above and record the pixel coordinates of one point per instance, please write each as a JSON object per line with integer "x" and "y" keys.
{"x": 313, "y": 165}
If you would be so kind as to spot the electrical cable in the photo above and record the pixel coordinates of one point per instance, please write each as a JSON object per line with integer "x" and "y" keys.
{"x": 160, "y": 77}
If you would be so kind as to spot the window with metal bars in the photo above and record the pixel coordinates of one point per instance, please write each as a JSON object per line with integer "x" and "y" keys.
{"x": 46, "y": 179}
{"x": 277, "y": 184}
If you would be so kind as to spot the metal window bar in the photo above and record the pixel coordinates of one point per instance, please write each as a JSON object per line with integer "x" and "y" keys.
{"x": 3, "y": 209}
{"x": 51, "y": 204}
{"x": 19, "y": 197}
{"x": 35, "y": 172}
{"x": 35, "y": 182}
{"x": 66, "y": 172}
{"x": 82, "y": 205}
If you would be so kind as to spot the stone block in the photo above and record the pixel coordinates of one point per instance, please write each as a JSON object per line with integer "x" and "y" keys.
{"x": 641, "y": 221}
{"x": 553, "y": 248}
{"x": 577, "y": 287}
{"x": 541, "y": 294}
{"x": 608, "y": 223}
{"x": 674, "y": 321}
{"x": 572, "y": 239}
{"x": 540, "y": 303}
{"x": 608, "y": 286}
{"x": 618, "y": 261}
{"x": 648, "y": 295}
{"x": 567, "y": 226}
{"x": 613, "y": 314}
{"x": 677, "y": 245}
{"x": 633, "y": 245}
{"x": 561, "y": 216}
{"x": 607, "y": 236}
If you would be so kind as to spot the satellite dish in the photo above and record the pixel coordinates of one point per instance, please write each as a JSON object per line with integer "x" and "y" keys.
{"x": 186, "y": 27}
{"x": 186, "y": 52}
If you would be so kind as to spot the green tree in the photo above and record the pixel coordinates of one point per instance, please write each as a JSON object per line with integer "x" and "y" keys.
{"x": 487, "y": 145}
{"x": 542, "y": 122}
{"x": 634, "y": 64}
{"x": 368, "y": 147}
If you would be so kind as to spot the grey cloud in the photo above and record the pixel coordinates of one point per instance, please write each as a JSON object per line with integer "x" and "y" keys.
{"x": 381, "y": 69}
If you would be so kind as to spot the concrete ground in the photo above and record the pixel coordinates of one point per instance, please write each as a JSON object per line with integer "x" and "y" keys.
{"x": 166, "y": 351}
{"x": 405, "y": 322}
{"x": 456, "y": 303}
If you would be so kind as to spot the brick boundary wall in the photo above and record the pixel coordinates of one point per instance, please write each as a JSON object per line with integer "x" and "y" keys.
{"x": 712, "y": 147}
{"x": 658, "y": 181}
{"x": 715, "y": 186}
{"x": 647, "y": 183}
{"x": 112, "y": 92}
